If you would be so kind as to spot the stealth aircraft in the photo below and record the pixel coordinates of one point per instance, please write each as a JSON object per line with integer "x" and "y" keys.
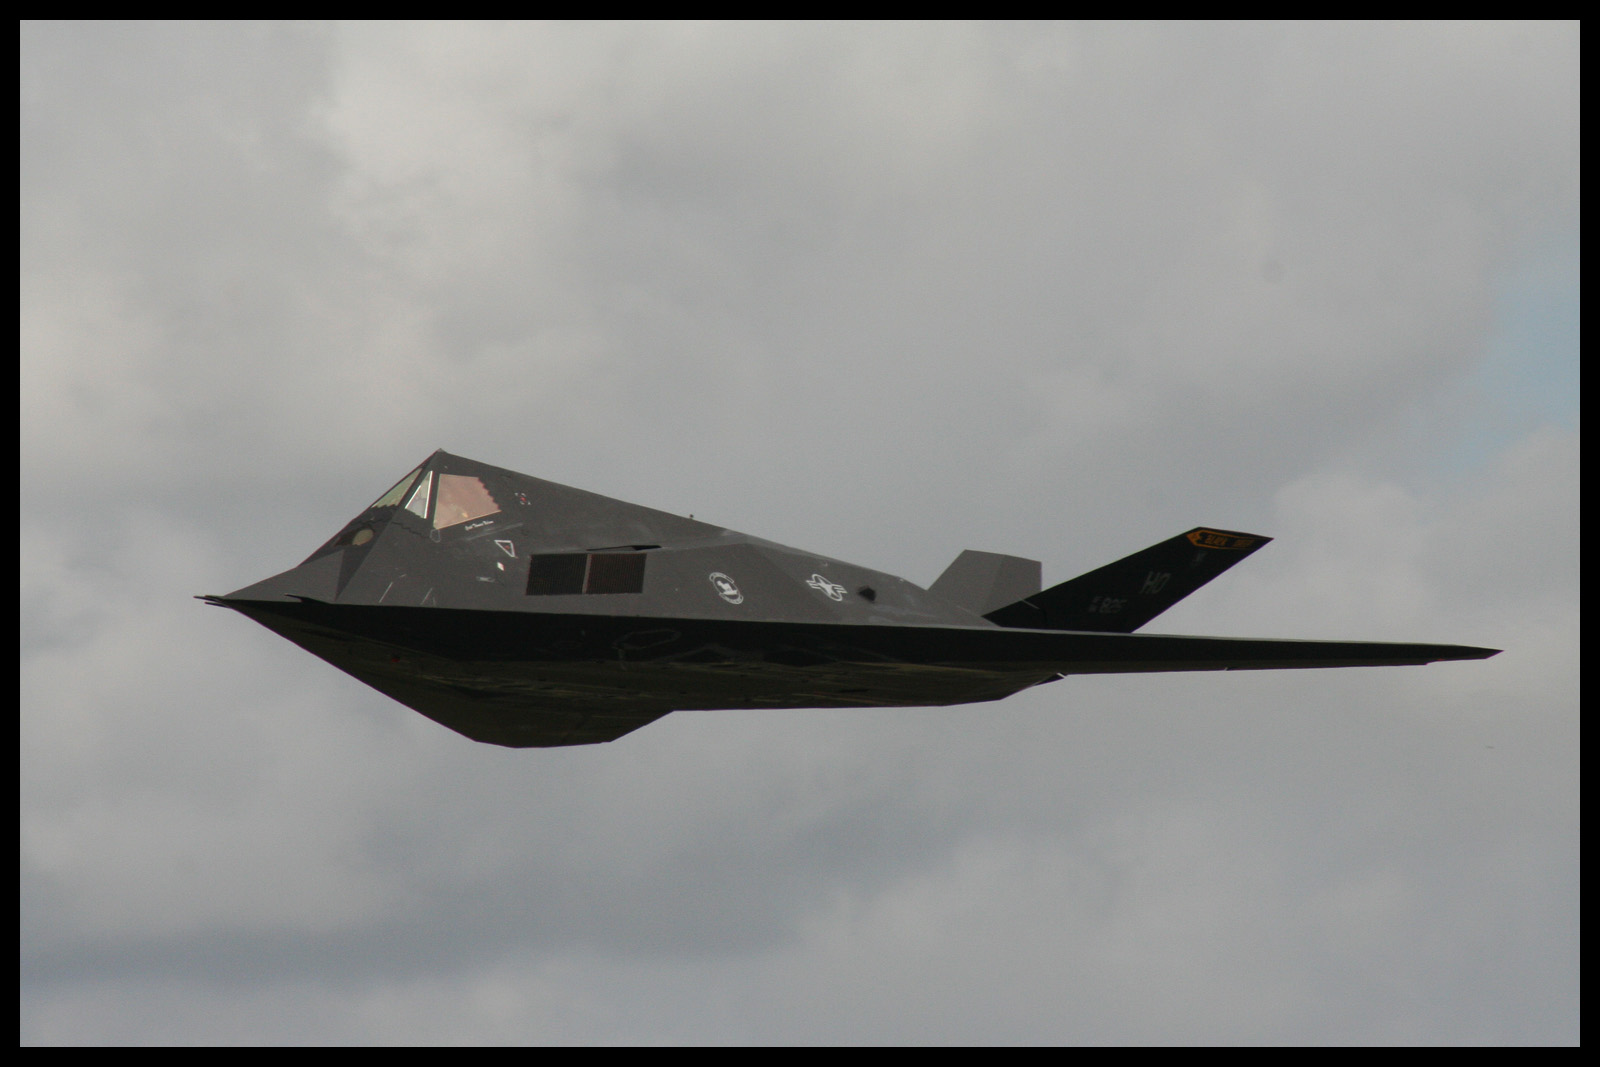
{"x": 524, "y": 613}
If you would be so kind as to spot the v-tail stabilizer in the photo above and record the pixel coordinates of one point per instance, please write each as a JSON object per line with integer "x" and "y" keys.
{"x": 1122, "y": 596}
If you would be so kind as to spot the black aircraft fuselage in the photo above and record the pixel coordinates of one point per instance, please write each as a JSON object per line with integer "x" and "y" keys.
{"x": 524, "y": 613}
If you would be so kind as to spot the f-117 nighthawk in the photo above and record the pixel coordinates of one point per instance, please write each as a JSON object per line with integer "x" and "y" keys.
{"x": 529, "y": 614}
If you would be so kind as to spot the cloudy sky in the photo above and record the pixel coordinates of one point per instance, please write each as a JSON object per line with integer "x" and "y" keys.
{"x": 885, "y": 292}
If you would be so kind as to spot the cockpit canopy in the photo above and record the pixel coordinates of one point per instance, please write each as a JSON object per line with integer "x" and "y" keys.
{"x": 459, "y": 497}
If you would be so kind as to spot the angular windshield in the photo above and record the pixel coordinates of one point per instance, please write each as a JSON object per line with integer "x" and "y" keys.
{"x": 418, "y": 504}
{"x": 395, "y": 495}
{"x": 462, "y": 498}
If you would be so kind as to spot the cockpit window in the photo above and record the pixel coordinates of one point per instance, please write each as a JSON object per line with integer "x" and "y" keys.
{"x": 418, "y": 504}
{"x": 397, "y": 494}
{"x": 462, "y": 498}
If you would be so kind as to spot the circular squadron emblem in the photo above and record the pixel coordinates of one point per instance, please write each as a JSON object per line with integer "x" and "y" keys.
{"x": 726, "y": 588}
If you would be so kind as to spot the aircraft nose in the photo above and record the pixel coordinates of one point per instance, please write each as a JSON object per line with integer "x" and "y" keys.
{"x": 315, "y": 580}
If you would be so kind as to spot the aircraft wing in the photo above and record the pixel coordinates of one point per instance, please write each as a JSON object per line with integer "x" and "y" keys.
{"x": 1108, "y": 653}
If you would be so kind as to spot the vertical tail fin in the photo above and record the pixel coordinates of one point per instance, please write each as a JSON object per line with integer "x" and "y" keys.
{"x": 1122, "y": 596}
{"x": 982, "y": 582}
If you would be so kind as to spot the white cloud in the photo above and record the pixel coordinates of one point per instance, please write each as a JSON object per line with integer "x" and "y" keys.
{"x": 886, "y": 292}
